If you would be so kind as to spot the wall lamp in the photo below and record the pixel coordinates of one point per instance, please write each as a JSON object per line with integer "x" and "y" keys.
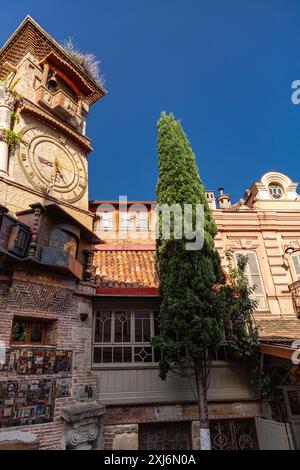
{"x": 290, "y": 250}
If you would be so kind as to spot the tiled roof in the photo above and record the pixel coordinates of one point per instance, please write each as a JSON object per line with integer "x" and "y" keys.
{"x": 126, "y": 268}
{"x": 279, "y": 329}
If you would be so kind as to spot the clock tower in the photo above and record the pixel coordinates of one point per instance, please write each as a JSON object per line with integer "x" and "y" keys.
{"x": 45, "y": 96}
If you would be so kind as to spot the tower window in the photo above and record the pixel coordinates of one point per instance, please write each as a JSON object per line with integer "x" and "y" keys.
{"x": 276, "y": 191}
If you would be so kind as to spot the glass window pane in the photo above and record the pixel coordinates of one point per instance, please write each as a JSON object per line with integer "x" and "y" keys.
{"x": 122, "y": 327}
{"x": 118, "y": 354}
{"x": 97, "y": 355}
{"x": 127, "y": 354}
{"x": 19, "y": 332}
{"x": 146, "y": 329}
{"x": 143, "y": 354}
{"x": 142, "y": 327}
{"x": 36, "y": 333}
{"x": 107, "y": 355}
{"x": 103, "y": 327}
{"x": 138, "y": 330}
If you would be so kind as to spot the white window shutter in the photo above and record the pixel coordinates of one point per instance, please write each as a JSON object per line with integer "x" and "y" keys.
{"x": 254, "y": 278}
{"x": 296, "y": 261}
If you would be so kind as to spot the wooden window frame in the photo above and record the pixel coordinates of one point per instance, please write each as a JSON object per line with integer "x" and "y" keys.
{"x": 28, "y": 330}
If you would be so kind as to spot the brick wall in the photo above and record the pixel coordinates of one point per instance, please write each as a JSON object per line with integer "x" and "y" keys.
{"x": 40, "y": 295}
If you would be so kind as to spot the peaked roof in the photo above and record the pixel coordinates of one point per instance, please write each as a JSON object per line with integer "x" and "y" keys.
{"x": 30, "y": 37}
{"x": 279, "y": 329}
{"x": 128, "y": 268}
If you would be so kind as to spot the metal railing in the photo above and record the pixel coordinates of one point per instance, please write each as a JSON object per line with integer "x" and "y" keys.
{"x": 295, "y": 291}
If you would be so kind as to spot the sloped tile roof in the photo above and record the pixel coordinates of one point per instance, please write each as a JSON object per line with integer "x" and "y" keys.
{"x": 128, "y": 268}
{"x": 279, "y": 329}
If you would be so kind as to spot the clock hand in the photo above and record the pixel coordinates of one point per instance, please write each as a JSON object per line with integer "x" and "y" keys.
{"x": 45, "y": 161}
{"x": 59, "y": 170}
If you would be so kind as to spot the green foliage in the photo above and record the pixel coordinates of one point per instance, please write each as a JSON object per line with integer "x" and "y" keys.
{"x": 190, "y": 311}
{"x": 12, "y": 88}
{"x": 240, "y": 331}
{"x": 8, "y": 135}
{"x": 14, "y": 119}
{"x": 87, "y": 61}
{"x": 199, "y": 309}
{"x": 12, "y": 138}
{"x": 242, "y": 336}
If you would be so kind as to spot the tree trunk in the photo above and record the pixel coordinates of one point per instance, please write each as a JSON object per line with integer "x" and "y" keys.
{"x": 201, "y": 383}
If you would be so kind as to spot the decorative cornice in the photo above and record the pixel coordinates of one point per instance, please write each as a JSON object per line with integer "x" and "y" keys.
{"x": 27, "y": 107}
{"x": 42, "y": 195}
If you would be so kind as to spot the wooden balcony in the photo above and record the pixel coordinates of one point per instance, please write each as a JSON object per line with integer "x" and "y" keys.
{"x": 295, "y": 291}
{"x": 59, "y": 102}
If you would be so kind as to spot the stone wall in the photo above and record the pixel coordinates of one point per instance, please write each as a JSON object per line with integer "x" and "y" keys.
{"x": 121, "y": 423}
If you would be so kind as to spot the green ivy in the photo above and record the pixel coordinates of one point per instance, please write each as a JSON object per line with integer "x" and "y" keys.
{"x": 11, "y": 138}
{"x": 242, "y": 336}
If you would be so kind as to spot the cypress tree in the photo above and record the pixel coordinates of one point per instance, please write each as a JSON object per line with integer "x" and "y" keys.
{"x": 191, "y": 309}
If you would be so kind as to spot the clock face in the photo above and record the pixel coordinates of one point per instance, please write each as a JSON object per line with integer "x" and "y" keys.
{"x": 53, "y": 164}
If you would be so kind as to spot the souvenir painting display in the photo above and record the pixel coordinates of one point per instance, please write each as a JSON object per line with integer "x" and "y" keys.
{"x": 37, "y": 361}
{"x": 26, "y": 402}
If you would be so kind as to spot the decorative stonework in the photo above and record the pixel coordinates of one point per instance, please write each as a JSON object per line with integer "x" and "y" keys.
{"x": 7, "y": 99}
{"x": 38, "y": 210}
{"x": 26, "y": 296}
{"x": 83, "y": 426}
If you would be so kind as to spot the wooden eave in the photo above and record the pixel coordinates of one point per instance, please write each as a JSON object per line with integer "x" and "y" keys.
{"x": 68, "y": 73}
{"x": 278, "y": 350}
{"x": 30, "y": 37}
{"x": 128, "y": 291}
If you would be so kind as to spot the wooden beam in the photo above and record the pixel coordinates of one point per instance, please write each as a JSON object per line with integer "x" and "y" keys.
{"x": 128, "y": 291}
{"x": 277, "y": 350}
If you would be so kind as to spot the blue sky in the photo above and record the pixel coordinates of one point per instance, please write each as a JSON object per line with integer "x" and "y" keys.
{"x": 224, "y": 67}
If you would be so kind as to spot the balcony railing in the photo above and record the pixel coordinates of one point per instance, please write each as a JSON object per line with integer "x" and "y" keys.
{"x": 295, "y": 291}
{"x": 59, "y": 102}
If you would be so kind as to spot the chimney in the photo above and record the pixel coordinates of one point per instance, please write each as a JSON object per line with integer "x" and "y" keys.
{"x": 223, "y": 199}
{"x": 211, "y": 199}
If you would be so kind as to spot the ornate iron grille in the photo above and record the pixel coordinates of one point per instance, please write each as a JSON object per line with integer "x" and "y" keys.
{"x": 165, "y": 436}
{"x": 233, "y": 434}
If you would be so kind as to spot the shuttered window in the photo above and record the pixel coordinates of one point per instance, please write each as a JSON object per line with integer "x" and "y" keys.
{"x": 254, "y": 278}
{"x": 296, "y": 261}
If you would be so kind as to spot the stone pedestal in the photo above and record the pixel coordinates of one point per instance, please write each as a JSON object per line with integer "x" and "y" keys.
{"x": 16, "y": 440}
{"x": 83, "y": 429}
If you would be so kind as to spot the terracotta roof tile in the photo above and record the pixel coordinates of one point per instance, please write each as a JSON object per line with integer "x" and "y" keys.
{"x": 128, "y": 268}
{"x": 279, "y": 329}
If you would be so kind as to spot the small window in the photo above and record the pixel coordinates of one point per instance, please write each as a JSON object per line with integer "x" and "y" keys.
{"x": 276, "y": 191}
{"x": 296, "y": 262}
{"x": 141, "y": 222}
{"x": 28, "y": 332}
{"x": 18, "y": 240}
{"x": 126, "y": 220}
{"x": 106, "y": 220}
{"x": 254, "y": 278}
